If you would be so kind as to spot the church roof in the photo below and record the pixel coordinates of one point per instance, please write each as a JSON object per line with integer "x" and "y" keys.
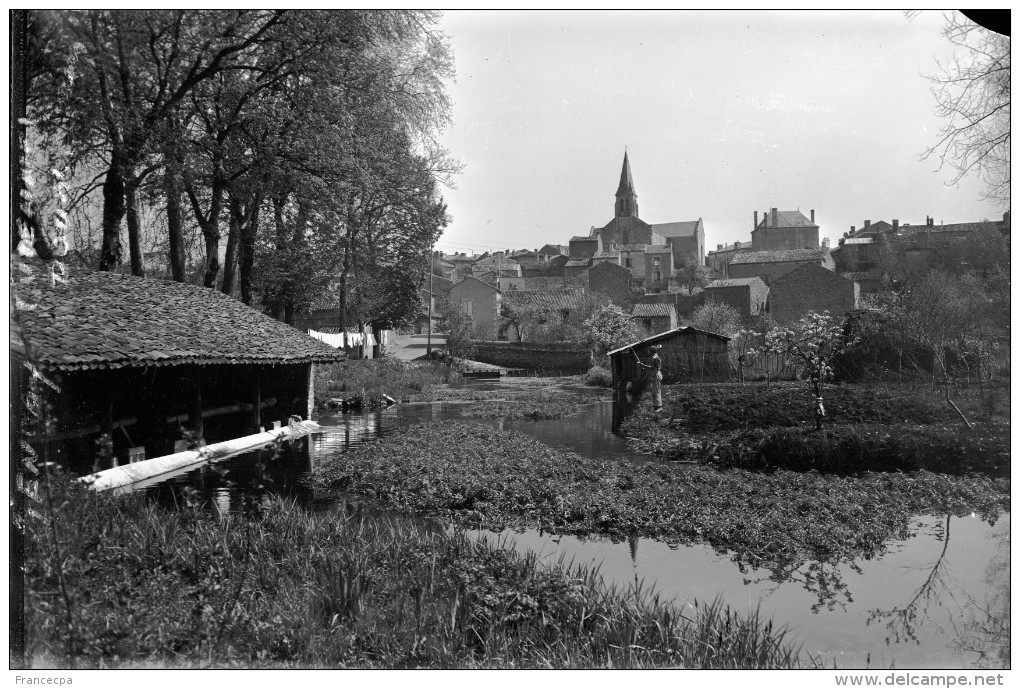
{"x": 626, "y": 180}
{"x": 677, "y": 229}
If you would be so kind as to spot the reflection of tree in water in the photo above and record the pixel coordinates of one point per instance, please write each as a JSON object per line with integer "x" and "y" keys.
{"x": 824, "y": 580}
{"x": 902, "y": 622}
{"x": 983, "y": 627}
{"x": 979, "y": 627}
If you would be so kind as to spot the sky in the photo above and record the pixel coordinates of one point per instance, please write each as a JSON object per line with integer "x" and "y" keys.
{"x": 721, "y": 114}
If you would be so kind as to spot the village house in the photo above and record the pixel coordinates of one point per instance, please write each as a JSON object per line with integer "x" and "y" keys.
{"x": 811, "y": 287}
{"x": 654, "y": 318}
{"x": 480, "y": 302}
{"x": 749, "y": 296}
{"x": 137, "y": 359}
{"x": 784, "y": 230}
{"x": 549, "y": 307}
{"x": 719, "y": 259}
{"x": 771, "y": 265}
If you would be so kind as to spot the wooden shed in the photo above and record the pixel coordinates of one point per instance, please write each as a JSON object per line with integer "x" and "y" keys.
{"x": 688, "y": 355}
{"x": 138, "y": 359}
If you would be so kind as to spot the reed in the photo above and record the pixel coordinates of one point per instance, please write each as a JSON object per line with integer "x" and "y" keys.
{"x": 286, "y": 587}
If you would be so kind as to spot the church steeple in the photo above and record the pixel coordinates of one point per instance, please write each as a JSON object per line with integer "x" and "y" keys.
{"x": 626, "y": 197}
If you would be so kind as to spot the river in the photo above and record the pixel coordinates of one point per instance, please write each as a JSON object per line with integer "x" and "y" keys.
{"x": 939, "y": 599}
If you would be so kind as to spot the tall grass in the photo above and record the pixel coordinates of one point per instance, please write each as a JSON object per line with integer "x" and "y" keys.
{"x": 285, "y": 587}
{"x": 364, "y": 382}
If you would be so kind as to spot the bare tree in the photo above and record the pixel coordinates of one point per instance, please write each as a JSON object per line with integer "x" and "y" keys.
{"x": 972, "y": 94}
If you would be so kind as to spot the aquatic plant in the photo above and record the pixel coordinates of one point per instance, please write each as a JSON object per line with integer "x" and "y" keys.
{"x": 287, "y": 587}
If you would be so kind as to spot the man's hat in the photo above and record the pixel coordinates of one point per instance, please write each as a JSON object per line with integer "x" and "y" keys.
{"x": 656, "y": 348}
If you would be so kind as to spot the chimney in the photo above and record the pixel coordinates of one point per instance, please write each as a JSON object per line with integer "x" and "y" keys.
{"x": 736, "y": 245}
{"x": 755, "y": 221}
{"x": 853, "y": 228}
{"x": 775, "y": 217}
{"x": 825, "y": 242}
{"x": 895, "y": 225}
{"x": 867, "y": 224}
{"x": 718, "y": 247}
{"x": 812, "y": 216}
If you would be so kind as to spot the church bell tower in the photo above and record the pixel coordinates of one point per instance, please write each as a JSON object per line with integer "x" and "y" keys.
{"x": 626, "y": 197}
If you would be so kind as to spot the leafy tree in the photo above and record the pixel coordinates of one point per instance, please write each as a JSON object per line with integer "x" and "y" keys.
{"x": 814, "y": 341}
{"x": 972, "y": 93}
{"x": 690, "y": 273}
{"x": 606, "y": 329}
{"x": 716, "y": 317}
{"x": 457, "y": 326}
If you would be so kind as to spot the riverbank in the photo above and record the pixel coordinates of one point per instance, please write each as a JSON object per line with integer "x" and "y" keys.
{"x": 475, "y": 475}
{"x": 866, "y": 428}
{"x": 119, "y": 582}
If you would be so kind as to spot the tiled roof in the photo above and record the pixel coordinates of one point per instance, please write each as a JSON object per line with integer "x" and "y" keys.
{"x": 652, "y": 311}
{"x": 952, "y": 227}
{"x": 584, "y": 239}
{"x": 108, "y": 320}
{"x": 552, "y": 299}
{"x": 733, "y": 282}
{"x": 858, "y": 240}
{"x": 783, "y": 256}
{"x": 606, "y": 254}
{"x": 682, "y": 330}
{"x": 787, "y": 219}
{"x": 658, "y": 249}
{"x": 578, "y": 262}
{"x": 552, "y": 249}
{"x": 677, "y": 229}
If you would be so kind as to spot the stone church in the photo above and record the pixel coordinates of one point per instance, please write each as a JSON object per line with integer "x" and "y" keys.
{"x": 626, "y": 229}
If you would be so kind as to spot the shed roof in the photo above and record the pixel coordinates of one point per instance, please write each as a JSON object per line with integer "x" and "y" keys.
{"x": 100, "y": 320}
{"x": 669, "y": 333}
{"x": 549, "y": 299}
{"x": 779, "y": 256}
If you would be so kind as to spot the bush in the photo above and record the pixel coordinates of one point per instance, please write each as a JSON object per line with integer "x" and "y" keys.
{"x": 599, "y": 377}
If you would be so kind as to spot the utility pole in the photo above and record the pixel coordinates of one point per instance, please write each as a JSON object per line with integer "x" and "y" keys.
{"x": 432, "y": 298}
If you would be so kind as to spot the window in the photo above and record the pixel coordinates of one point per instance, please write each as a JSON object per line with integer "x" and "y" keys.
{"x": 657, "y": 275}
{"x": 655, "y": 261}
{"x": 467, "y": 306}
{"x": 626, "y": 262}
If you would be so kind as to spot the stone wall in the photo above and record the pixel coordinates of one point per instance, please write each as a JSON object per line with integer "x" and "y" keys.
{"x": 612, "y": 280}
{"x": 559, "y": 356}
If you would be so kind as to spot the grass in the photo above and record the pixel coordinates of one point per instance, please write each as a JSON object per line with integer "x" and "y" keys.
{"x": 866, "y": 429}
{"x": 475, "y": 475}
{"x": 284, "y": 587}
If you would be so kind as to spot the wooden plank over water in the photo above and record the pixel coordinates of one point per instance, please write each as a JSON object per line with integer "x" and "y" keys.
{"x": 132, "y": 476}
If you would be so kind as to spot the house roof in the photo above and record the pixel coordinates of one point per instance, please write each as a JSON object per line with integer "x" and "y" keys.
{"x": 471, "y": 277}
{"x": 734, "y": 282}
{"x": 606, "y": 254}
{"x": 951, "y": 227}
{"x": 631, "y": 247}
{"x": 547, "y": 299}
{"x": 677, "y": 229}
{"x": 101, "y": 320}
{"x": 551, "y": 249}
{"x": 858, "y": 240}
{"x": 796, "y": 272}
{"x": 779, "y": 256}
{"x": 583, "y": 239}
{"x": 578, "y": 262}
{"x": 652, "y": 311}
{"x": 786, "y": 219}
{"x": 663, "y": 336}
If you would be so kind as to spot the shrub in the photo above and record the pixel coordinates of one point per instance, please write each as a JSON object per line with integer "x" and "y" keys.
{"x": 599, "y": 377}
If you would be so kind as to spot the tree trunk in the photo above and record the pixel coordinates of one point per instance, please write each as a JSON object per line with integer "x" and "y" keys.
{"x": 133, "y": 225}
{"x": 233, "y": 238}
{"x": 246, "y": 248}
{"x": 113, "y": 212}
{"x": 174, "y": 221}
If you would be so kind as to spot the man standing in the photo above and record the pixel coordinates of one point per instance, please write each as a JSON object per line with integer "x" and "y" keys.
{"x": 656, "y": 376}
